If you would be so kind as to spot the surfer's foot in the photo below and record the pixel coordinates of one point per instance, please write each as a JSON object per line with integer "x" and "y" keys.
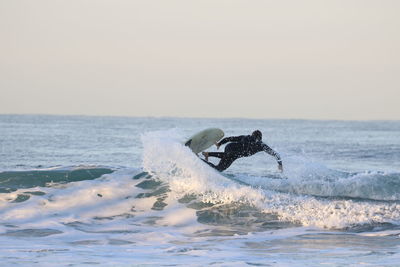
{"x": 205, "y": 154}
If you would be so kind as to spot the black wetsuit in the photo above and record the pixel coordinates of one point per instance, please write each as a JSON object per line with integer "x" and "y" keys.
{"x": 240, "y": 146}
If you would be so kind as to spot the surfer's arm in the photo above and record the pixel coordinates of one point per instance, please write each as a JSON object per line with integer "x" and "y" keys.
{"x": 273, "y": 153}
{"x": 230, "y": 139}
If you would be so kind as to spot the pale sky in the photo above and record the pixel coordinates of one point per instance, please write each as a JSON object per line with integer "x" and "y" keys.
{"x": 319, "y": 59}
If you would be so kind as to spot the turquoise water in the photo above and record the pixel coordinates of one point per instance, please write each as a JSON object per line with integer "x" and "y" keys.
{"x": 79, "y": 190}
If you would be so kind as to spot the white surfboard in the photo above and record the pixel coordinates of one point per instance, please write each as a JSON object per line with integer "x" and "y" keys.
{"x": 204, "y": 139}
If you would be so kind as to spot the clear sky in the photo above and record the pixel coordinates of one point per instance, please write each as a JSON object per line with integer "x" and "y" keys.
{"x": 336, "y": 59}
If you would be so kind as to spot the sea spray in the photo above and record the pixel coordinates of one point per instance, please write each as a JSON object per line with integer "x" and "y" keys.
{"x": 172, "y": 162}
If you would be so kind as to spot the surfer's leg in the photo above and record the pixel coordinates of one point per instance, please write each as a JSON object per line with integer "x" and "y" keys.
{"x": 216, "y": 154}
{"x": 209, "y": 163}
{"x": 226, "y": 162}
{"x": 222, "y": 165}
{"x": 213, "y": 154}
{"x": 205, "y": 154}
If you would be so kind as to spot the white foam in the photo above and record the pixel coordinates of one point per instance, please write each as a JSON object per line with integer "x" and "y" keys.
{"x": 185, "y": 173}
{"x": 168, "y": 159}
{"x": 84, "y": 199}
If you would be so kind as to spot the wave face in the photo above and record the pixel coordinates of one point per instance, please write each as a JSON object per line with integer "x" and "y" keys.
{"x": 13, "y": 180}
{"x": 307, "y": 194}
{"x": 334, "y": 194}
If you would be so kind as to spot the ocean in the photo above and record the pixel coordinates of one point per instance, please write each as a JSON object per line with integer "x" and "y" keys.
{"x": 123, "y": 191}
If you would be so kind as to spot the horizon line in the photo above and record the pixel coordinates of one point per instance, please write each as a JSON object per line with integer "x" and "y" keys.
{"x": 193, "y": 117}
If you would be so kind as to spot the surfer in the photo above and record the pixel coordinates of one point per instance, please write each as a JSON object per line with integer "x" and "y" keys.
{"x": 238, "y": 147}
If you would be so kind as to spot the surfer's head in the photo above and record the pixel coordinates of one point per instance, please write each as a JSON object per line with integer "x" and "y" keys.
{"x": 257, "y": 135}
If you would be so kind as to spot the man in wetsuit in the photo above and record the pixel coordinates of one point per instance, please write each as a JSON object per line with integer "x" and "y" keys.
{"x": 240, "y": 146}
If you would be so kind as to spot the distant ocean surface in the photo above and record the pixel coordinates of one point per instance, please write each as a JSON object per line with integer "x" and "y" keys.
{"x": 121, "y": 191}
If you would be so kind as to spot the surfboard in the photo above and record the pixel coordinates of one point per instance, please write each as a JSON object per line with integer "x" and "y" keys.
{"x": 204, "y": 139}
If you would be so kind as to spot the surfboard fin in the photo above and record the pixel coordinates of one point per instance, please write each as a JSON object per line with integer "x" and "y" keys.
{"x": 188, "y": 142}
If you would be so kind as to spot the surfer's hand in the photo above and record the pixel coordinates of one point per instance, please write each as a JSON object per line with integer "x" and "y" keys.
{"x": 280, "y": 167}
{"x": 217, "y": 145}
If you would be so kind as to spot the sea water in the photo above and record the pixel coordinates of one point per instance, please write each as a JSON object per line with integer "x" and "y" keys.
{"x": 120, "y": 191}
